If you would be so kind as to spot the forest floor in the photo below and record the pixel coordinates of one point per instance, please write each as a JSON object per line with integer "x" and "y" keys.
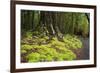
{"x": 41, "y": 49}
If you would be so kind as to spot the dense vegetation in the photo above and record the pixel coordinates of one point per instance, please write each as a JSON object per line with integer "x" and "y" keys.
{"x": 52, "y": 36}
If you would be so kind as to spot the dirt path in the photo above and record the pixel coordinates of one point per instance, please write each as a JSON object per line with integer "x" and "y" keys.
{"x": 84, "y": 52}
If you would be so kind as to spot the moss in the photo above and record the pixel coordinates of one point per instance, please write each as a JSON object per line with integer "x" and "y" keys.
{"x": 26, "y": 47}
{"x": 29, "y": 34}
{"x": 55, "y": 50}
{"x": 33, "y": 57}
{"x": 73, "y": 42}
{"x": 50, "y": 54}
{"x": 23, "y": 51}
{"x": 56, "y": 42}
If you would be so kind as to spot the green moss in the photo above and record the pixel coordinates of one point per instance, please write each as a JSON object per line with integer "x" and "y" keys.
{"x": 56, "y": 42}
{"x": 29, "y": 34}
{"x": 73, "y": 42}
{"x": 23, "y": 51}
{"x": 55, "y": 50}
{"x": 51, "y": 54}
{"x": 26, "y": 47}
{"x": 33, "y": 57}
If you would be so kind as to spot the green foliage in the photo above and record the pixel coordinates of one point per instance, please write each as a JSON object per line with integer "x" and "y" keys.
{"x": 73, "y": 42}
{"x": 67, "y": 22}
{"x": 74, "y": 23}
{"x": 45, "y": 53}
{"x": 23, "y": 51}
{"x": 56, "y": 42}
{"x": 30, "y": 39}
{"x": 26, "y": 47}
{"x": 26, "y": 36}
{"x": 29, "y": 34}
{"x": 33, "y": 57}
{"x": 69, "y": 55}
{"x": 84, "y": 25}
{"x": 50, "y": 36}
{"x": 54, "y": 50}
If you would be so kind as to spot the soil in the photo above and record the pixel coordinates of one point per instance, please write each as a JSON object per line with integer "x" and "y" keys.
{"x": 83, "y": 53}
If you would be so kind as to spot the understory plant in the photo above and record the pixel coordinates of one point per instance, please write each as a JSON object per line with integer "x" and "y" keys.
{"x": 43, "y": 49}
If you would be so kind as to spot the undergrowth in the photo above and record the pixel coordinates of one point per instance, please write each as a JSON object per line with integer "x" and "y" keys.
{"x": 42, "y": 49}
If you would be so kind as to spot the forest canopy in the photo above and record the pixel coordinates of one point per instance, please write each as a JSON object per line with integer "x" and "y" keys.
{"x": 52, "y": 35}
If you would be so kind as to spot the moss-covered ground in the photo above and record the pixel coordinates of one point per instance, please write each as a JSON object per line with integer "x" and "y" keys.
{"x": 43, "y": 49}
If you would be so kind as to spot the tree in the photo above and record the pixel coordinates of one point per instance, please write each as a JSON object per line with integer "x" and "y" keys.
{"x": 54, "y": 24}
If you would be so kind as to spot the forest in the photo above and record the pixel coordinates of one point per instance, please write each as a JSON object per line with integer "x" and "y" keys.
{"x": 48, "y": 36}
